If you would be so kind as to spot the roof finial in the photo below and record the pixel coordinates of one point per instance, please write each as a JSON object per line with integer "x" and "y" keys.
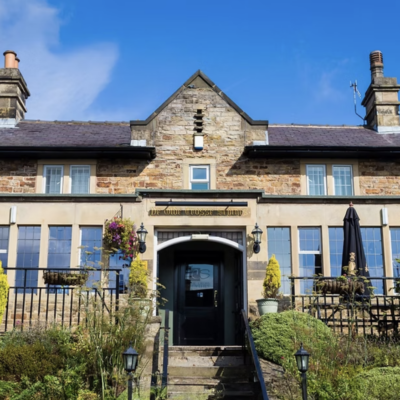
{"x": 351, "y": 204}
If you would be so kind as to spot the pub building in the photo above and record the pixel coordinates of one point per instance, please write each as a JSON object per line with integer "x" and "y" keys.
{"x": 200, "y": 174}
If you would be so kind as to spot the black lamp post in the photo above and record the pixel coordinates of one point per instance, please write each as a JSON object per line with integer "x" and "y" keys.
{"x": 257, "y": 232}
{"x": 130, "y": 357}
{"x": 141, "y": 233}
{"x": 302, "y": 357}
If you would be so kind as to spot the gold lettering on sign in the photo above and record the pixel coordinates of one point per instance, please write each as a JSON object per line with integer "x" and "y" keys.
{"x": 198, "y": 212}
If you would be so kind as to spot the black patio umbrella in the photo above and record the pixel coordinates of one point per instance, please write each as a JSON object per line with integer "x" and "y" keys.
{"x": 353, "y": 256}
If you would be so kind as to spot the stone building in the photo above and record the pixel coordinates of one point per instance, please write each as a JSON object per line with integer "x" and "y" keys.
{"x": 199, "y": 173}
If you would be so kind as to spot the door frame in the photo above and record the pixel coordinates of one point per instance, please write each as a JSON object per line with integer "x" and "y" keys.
{"x": 180, "y": 259}
{"x": 242, "y": 248}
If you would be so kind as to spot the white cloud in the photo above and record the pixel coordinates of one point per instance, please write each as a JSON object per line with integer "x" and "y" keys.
{"x": 62, "y": 84}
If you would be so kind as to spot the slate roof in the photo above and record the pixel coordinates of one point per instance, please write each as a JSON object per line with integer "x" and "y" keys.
{"x": 64, "y": 134}
{"x": 304, "y": 135}
{"x": 108, "y": 134}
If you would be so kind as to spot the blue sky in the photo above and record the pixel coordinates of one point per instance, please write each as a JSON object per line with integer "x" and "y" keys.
{"x": 286, "y": 61}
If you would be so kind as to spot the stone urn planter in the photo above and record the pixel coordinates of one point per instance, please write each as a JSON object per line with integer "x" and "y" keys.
{"x": 267, "y": 306}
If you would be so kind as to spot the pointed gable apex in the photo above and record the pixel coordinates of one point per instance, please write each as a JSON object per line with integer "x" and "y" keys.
{"x": 199, "y": 80}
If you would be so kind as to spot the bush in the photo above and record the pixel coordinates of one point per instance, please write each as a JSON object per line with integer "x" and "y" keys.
{"x": 278, "y": 336}
{"x": 272, "y": 280}
{"x": 33, "y": 361}
{"x": 377, "y": 384}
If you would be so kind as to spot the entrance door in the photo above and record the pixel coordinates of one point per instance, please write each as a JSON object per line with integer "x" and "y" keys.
{"x": 199, "y": 319}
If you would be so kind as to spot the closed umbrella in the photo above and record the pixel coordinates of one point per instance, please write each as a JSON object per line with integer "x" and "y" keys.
{"x": 354, "y": 262}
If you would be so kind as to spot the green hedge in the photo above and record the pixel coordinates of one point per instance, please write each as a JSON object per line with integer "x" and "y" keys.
{"x": 278, "y": 336}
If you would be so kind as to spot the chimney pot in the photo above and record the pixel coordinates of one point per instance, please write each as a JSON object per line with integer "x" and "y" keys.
{"x": 9, "y": 58}
{"x": 17, "y": 60}
{"x": 376, "y": 64}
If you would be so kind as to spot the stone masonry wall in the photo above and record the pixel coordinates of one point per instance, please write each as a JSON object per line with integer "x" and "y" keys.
{"x": 379, "y": 178}
{"x": 225, "y": 135}
{"x": 18, "y": 176}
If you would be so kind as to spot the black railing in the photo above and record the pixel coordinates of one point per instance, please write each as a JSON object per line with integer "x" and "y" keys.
{"x": 350, "y": 311}
{"x": 164, "y": 382}
{"x": 254, "y": 356}
{"x": 32, "y": 304}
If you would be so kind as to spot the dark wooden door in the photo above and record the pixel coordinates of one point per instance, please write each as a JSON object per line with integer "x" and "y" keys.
{"x": 199, "y": 320}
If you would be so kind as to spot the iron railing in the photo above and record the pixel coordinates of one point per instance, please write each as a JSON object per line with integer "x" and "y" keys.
{"x": 366, "y": 314}
{"x": 29, "y": 305}
{"x": 248, "y": 338}
{"x": 164, "y": 382}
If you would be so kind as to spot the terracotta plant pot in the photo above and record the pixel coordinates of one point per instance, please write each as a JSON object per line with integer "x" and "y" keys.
{"x": 267, "y": 306}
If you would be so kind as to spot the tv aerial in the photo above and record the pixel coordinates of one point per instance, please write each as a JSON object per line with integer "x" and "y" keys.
{"x": 355, "y": 93}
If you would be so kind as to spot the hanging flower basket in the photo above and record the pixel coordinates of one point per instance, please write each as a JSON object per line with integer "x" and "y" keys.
{"x": 65, "y": 278}
{"x": 120, "y": 235}
{"x": 341, "y": 286}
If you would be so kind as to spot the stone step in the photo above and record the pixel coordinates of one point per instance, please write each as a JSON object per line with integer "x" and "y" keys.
{"x": 190, "y": 360}
{"x": 210, "y": 371}
{"x": 202, "y": 385}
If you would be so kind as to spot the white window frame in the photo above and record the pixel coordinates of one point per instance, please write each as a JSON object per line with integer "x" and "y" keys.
{"x": 70, "y": 177}
{"x": 308, "y": 181}
{"x": 207, "y": 180}
{"x": 44, "y": 177}
{"x": 352, "y": 177}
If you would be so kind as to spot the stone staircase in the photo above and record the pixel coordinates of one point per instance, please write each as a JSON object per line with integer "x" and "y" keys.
{"x": 200, "y": 373}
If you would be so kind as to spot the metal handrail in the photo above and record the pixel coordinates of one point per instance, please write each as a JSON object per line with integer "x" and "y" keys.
{"x": 254, "y": 356}
{"x": 164, "y": 382}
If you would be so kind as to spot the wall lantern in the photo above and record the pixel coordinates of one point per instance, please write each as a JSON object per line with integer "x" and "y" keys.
{"x": 257, "y": 232}
{"x": 302, "y": 357}
{"x": 130, "y": 357}
{"x": 141, "y": 234}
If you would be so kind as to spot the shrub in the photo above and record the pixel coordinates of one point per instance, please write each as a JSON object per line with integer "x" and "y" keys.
{"x": 377, "y": 384}
{"x": 138, "y": 278}
{"x": 3, "y": 291}
{"x": 277, "y": 336}
{"x": 272, "y": 280}
{"x": 33, "y": 361}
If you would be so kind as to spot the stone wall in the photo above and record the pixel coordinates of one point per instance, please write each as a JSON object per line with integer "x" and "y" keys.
{"x": 379, "y": 178}
{"x": 225, "y": 135}
{"x": 18, "y": 176}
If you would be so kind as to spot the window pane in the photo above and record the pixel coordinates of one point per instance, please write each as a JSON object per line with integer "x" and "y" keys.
{"x": 279, "y": 244}
{"x": 310, "y": 264}
{"x": 4, "y": 234}
{"x": 199, "y": 173}
{"x": 80, "y": 178}
{"x": 59, "y": 248}
{"x": 316, "y": 180}
{"x": 116, "y": 262}
{"x": 310, "y": 239}
{"x": 53, "y": 178}
{"x": 342, "y": 176}
{"x": 372, "y": 243}
{"x": 336, "y": 250}
{"x": 27, "y": 256}
{"x": 90, "y": 257}
{"x": 199, "y": 185}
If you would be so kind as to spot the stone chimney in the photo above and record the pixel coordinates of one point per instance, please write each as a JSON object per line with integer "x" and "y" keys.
{"x": 381, "y": 98}
{"x": 13, "y": 92}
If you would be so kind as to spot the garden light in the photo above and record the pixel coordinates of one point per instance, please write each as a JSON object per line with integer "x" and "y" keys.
{"x": 257, "y": 232}
{"x": 302, "y": 357}
{"x": 141, "y": 234}
{"x": 130, "y": 357}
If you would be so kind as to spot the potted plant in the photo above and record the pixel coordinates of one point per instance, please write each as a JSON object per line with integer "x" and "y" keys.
{"x": 271, "y": 285}
{"x": 3, "y": 291}
{"x": 138, "y": 276}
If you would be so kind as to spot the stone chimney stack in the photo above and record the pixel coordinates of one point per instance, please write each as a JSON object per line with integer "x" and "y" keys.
{"x": 381, "y": 99}
{"x": 13, "y": 92}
